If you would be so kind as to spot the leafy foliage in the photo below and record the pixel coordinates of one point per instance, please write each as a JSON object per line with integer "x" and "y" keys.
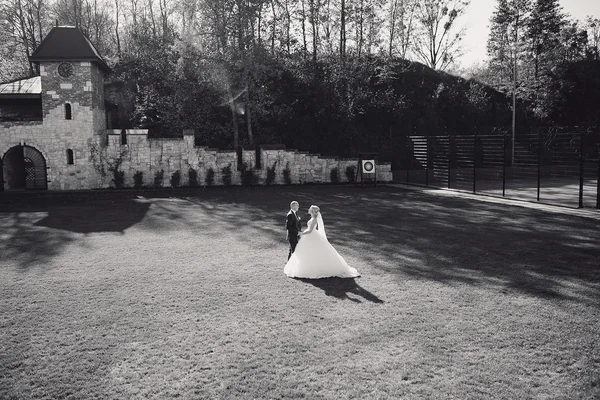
{"x": 159, "y": 177}
{"x": 104, "y": 164}
{"x": 287, "y": 174}
{"x": 334, "y": 175}
{"x": 138, "y": 179}
{"x": 270, "y": 174}
{"x": 118, "y": 178}
{"x": 210, "y": 177}
{"x": 193, "y": 177}
{"x": 226, "y": 175}
{"x": 248, "y": 175}
{"x": 176, "y": 179}
{"x": 350, "y": 173}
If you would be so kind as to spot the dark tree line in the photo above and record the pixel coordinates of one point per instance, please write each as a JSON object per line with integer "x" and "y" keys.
{"x": 549, "y": 60}
{"x": 328, "y": 76}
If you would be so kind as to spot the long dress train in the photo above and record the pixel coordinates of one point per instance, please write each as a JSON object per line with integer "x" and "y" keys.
{"x": 315, "y": 257}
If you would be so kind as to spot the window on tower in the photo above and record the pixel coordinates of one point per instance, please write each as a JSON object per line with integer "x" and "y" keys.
{"x": 70, "y": 159}
{"x": 68, "y": 114}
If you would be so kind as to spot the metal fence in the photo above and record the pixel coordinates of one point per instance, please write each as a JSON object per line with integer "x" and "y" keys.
{"x": 555, "y": 168}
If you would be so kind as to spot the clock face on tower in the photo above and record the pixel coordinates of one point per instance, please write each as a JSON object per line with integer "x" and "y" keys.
{"x": 65, "y": 70}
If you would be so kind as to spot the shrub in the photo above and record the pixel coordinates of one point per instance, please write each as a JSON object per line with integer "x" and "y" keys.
{"x": 271, "y": 174}
{"x": 210, "y": 177}
{"x": 176, "y": 179}
{"x": 226, "y": 175}
{"x": 351, "y": 173}
{"x": 287, "y": 174}
{"x": 138, "y": 179}
{"x": 193, "y": 177}
{"x": 335, "y": 175}
{"x": 158, "y": 178}
{"x": 118, "y": 178}
{"x": 248, "y": 177}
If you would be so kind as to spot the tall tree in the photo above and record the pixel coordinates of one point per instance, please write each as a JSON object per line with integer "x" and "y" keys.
{"x": 343, "y": 27}
{"x": 314, "y": 19}
{"x": 366, "y": 23}
{"x": 93, "y": 18}
{"x": 273, "y": 25}
{"x": 117, "y": 36}
{"x": 401, "y": 24}
{"x": 327, "y": 26}
{"x": 220, "y": 16}
{"x": 506, "y": 44}
{"x": 289, "y": 8}
{"x": 506, "y": 47}
{"x": 23, "y": 25}
{"x": 374, "y": 23}
{"x": 359, "y": 23}
{"x": 593, "y": 33}
{"x": 573, "y": 41}
{"x": 302, "y": 17}
{"x": 543, "y": 33}
{"x": 438, "y": 39}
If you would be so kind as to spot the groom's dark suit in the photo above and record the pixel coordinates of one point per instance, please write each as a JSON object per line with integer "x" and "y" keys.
{"x": 293, "y": 226}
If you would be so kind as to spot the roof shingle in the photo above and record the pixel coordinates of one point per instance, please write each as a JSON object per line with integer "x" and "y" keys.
{"x": 67, "y": 43}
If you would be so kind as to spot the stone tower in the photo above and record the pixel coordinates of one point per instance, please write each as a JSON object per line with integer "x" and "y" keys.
{"x": 72, "y": 74}
{"x": 72, "y": 97}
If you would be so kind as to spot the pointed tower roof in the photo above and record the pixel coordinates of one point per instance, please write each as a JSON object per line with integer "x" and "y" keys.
{"x": 67, "y": 43}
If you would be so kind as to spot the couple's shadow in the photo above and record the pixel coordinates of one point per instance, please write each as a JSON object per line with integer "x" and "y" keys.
{"x": 341, "y": 287}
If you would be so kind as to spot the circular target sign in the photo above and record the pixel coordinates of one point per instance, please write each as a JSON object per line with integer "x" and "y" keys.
{"x": 369, "y": 166}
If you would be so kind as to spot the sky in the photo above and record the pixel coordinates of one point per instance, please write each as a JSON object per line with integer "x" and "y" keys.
{"x": 477, "y": 20}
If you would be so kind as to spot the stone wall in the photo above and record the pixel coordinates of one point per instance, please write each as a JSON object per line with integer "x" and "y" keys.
{"x": 55, "y": 136}
{"x": 150, "y": 156}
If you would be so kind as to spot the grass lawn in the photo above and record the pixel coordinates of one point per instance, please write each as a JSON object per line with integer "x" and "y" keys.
{"x": 181, "y": 294}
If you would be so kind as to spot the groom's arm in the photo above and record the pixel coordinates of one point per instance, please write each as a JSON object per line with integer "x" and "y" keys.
{"x": 290, "y": 223}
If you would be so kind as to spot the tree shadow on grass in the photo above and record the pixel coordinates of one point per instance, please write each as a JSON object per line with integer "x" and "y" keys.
{"x": 95, "y": 218}
{"x": 24, "y": 244}
{"x": 403, "y": 234}
{"x": 416, "y": 235}
{"x": 35, "y": 227}
{"x": 341, "y": 287}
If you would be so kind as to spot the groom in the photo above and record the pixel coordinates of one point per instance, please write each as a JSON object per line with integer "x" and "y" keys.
{"x": 293, "y": 226}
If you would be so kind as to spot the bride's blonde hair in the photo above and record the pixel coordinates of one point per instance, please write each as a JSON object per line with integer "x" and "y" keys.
{"x": 316, "y": 208}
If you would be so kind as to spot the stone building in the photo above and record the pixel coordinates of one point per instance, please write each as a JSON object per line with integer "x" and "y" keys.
{"x": 53, "y": 134}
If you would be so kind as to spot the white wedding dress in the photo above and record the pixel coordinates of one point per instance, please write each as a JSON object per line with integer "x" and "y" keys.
{"x": 315, "y": 257}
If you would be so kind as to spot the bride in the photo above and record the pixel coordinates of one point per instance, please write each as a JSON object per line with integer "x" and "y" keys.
{"x": 314, "y": 256}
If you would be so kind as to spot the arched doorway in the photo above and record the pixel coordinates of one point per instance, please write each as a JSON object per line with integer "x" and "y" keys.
{"x": 24, "y": 168}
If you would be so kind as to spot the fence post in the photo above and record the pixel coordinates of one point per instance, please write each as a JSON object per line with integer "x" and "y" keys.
{"x": 539, "y": 171}
{"x": 426, "y": 160}
{"x": 597, "y": 179}
{"x": 474, "y": 160}
{"x": 449, "y": 157}
{"x": 581, "y": 170}
{"x": 412, "y": 157}
{"x": 504, "y": 164}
